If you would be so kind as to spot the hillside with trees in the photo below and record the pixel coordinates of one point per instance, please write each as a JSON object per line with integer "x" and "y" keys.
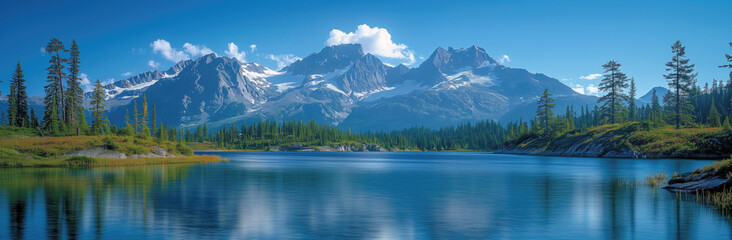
{"x": 64, "y": 138}
{"x": 693, "y": 122}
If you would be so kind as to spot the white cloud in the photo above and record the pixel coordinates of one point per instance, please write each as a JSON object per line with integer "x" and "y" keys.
{"x": 253, "y": 47}
{"x": 85, "y": 83}
{"x": 504, "y": 59}
{"x": 234, "y": 52}
{"x": 579, "y": 89}
{"x": 591, "y": 76}
{"x": 374, "y": 40}
{"x": 153, "y": 64}
{"x": 283, "y": 60}
{"x": 591, "y": 89}
{"x": 127, "y": 74}
{"x": 163, "y": 47}
{"x": 194, "y": 50}
{"x": 109, "y": 81}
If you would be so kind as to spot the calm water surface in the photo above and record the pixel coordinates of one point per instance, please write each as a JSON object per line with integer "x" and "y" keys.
{"x": 356, "y": 195}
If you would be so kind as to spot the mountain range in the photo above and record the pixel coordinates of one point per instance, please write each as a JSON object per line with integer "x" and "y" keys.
{"x": 344, "y": 87}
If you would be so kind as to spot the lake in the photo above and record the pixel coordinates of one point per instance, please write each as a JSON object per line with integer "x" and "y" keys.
{"x": 421, "y": 195}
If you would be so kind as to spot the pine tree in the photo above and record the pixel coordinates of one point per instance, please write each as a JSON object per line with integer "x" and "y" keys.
{"x": 632, "y": 108}
{"x": 136, "y": 117}
{"x": 18, "y": 100}
{"x": 681, "y": 81}
{"x": 713, "y": 119}
{"x": 143, "y": 119}
{"x": 97, "y": 107}
{"x": 656, "y": 115}
{"x": 544, "y": 112}
{"x": 613, "y": 83}
{"x": 74, "y": 109}
{"x": 182, "y": 136}
{"x": 51, "y": 121}
{"x": 55, "y": 88}
{"x": 33, "y": 119}
{"x": 128, "y": 129}
{"x": 163, "y": 135}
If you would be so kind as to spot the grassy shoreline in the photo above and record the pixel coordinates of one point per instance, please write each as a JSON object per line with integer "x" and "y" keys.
{"x": 21, "y": 147}
{"x": 628, "y": 140}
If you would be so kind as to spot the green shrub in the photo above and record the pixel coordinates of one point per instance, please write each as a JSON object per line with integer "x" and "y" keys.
{"x": 135, "y": 149}
{"x": 183, "y": 149}
{"x": 110, "y": 144}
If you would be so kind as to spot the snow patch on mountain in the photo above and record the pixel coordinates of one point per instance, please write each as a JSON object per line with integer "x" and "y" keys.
{"x": 406, "y": 87}
{"x": 111, "y": 93}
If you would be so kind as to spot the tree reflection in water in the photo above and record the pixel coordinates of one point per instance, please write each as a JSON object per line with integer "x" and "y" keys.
{"x": 64, "y": 193}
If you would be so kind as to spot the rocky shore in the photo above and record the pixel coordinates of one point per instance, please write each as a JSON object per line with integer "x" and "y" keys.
{"x": 101, "y": 152}
{"x": 692, "y": 182}
{"x": 296, "y": 147}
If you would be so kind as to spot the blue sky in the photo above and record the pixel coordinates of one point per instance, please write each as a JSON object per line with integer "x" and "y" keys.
{"x": 563, "y": 39}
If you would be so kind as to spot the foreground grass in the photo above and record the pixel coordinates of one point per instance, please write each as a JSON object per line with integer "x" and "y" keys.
{"x": 639, "y": 137}
{"x": 22, "y": 147}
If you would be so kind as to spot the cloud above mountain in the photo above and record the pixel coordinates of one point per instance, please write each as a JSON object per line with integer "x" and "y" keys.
{"x": 283, "y": 60}
{"x": 194, "y": 50}
{"x": 85, "y": 83}
{"x": 233, "y": 52}
{"x": 591, "y": 89}
{"x": 153, "y": 64}
{"x": 162, "y": 47}
{"x": 504, "y": 59}
{"x": 591, "y": 76}
{"x": 374, "y": 40}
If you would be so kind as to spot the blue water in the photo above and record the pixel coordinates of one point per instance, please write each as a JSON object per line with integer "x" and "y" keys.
{"x": 355, "y": 196}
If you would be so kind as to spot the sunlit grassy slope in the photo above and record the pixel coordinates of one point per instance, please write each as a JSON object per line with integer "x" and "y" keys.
{"x": 639, "y": 137}
{"x": 22, "y": 147}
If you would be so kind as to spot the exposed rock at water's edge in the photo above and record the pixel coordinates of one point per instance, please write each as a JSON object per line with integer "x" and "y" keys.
{"x": 106, "y": 153}
{"x": 296, "y": 147}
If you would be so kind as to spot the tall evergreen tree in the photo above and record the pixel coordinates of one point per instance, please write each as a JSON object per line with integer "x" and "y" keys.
{"x": 632, "y": 107}
{"x": 55, "y": 88}
{"x": 656, "y": 112}
{"x": 128, "y": 129}
{"x": 136, "y": 117}
{"x": 143, "y": 118}
{"x": 33, "y": 119}
{"x": 74, "y": 109}
{"x": 97, "y": 108}
{"x": 713, "y": 118}
{"x": 544, "y": 112}
{"x": 18, "y": 100}
{"x": 681, "y": 82}
{"x": 51, "y": 121}
{"x": 613, "y": 83}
